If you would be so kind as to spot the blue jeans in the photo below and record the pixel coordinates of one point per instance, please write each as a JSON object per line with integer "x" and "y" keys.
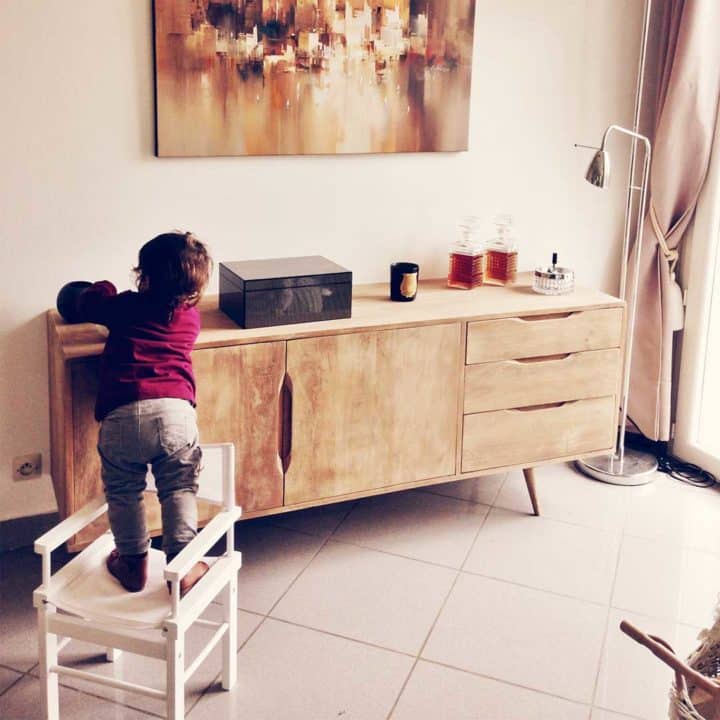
{"x": 160, "y": 433}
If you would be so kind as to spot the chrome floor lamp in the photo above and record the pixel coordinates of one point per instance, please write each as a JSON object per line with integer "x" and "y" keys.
{"x": 624, "y": 466}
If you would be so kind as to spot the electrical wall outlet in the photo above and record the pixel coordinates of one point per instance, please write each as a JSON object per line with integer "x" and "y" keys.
{"x": 26, "y": 467}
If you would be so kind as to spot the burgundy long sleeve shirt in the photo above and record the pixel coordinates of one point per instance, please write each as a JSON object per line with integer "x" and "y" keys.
{"x": 145, "y": 356}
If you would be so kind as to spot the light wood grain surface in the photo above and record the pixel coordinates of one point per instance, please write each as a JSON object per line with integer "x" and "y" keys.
{"x": 526, "y": 337}
{"x": 372, "y": 409}
{"x": 238, "y": 391}
{"x": 371, "y": 310}
{"x": 510, "y": 437}
{"x": 518, "y": 383}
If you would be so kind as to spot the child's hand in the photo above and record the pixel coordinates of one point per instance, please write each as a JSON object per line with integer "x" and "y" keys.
{"x": 67, "y": 299}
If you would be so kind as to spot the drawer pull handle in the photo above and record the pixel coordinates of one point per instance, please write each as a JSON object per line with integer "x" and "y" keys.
{"x": 546, "y": 316}
{"x": 544, "y": 406}
{"x": 543, "y": 358}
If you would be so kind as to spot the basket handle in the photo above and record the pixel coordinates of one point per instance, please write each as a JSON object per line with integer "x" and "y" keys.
{"x": 658, "y": 647}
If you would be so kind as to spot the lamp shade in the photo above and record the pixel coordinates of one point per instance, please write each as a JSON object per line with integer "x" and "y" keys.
{"x": 598, "y": 172}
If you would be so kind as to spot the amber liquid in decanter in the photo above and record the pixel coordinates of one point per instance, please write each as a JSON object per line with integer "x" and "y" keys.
{"x": 467, "y": 256}
{"x": 501, "y": 266}
{"x": 466, "y": 271}
{"x": 502, "y": 254}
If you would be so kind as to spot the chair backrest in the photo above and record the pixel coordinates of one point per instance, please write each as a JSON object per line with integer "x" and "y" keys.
{"x": 217, "y": 476}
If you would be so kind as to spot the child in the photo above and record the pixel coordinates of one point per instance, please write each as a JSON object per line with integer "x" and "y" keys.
{"x": 146, "y": 400}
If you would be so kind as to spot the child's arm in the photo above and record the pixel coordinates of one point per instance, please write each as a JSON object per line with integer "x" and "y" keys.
{"x": 97, "y": 303}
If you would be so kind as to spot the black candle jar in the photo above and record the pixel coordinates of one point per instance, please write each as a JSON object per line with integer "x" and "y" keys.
{"x": 404, "y": 278}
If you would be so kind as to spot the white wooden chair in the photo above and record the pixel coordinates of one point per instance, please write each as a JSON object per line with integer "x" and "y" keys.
{"x": 83, "y": 601}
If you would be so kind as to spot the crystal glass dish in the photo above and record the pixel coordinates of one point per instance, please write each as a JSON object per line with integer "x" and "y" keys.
{"x": 553, "y": 280}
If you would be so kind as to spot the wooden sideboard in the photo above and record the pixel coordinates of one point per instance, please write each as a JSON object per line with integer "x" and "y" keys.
{"x": 455, "y": 384}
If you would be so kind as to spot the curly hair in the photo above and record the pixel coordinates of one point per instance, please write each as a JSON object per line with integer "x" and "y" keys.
{"x": 174, "y": 268}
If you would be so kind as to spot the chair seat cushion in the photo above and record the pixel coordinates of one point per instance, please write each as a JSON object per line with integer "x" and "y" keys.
{"x": 94, "y": 594}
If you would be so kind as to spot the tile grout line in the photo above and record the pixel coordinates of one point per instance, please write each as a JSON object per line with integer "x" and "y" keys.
{"x": 437, "y": 617}
{"x": 554, "y": 593}
{"x": 340, "y": 636}
{"x": 504, "y": 681}
{"x": 604, "y": 645}
{"x": 15, "y": 681}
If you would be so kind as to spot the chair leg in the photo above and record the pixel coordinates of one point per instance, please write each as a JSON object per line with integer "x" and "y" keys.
{"x": 49, "y": 696}
{"x": 529, "y": 474}
{"x": 176, "y": 677}
{"x": 112, "y": 654}
{"x": 230, "y": 615}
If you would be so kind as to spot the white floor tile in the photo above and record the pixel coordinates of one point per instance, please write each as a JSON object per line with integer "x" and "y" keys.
{"x": 565, "y": 494}
{"x": 532, "y": 638}
{"x": 22, "y": 702}
{"x": 676, "y": 512}
{"x": 321, "y": 521}
{"x": 658, "y": 579}
{"x": 546, "y": 554}
{"x": 415, "y": 524}
{"x": 598, "y": 714}
{"x": 150, "y": 671}
{"x": 272, "y": 558}
{"x": 483, "y": 490}
{"x": 439, "y": 693}
{"x": 632, "y": 680}
{"x": 290, "y": 672}
{"x": 379, "y": 598}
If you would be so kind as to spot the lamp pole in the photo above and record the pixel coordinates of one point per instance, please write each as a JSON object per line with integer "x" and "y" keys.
{"x": 624, "y": 467}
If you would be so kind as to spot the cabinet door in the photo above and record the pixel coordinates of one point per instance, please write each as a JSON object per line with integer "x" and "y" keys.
{"x": 372, "y": 409}
{"x": 238, "y": 400}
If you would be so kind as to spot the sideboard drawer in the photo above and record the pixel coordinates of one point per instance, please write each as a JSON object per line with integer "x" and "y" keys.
{"x": 526, "y": 337}
{"x": 519, "y": 383}
{"x": 517, "y": 437}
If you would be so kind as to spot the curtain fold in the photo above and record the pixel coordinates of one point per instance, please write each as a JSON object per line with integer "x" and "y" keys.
{"x": 686, "y": 113}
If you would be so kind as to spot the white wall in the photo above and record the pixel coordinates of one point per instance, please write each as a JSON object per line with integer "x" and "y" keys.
{"x": 80, "y": 189}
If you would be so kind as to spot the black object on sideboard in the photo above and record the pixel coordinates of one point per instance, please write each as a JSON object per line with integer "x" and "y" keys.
{"x": 282, "y": 291}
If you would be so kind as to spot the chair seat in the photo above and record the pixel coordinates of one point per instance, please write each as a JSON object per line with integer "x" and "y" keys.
{"x": 94, "y": 594}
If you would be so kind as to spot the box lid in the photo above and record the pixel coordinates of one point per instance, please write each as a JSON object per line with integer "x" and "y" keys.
{"x": 285, "y": 272}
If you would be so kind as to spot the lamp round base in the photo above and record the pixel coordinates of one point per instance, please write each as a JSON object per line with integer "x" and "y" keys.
{"x": 637, "y": 468}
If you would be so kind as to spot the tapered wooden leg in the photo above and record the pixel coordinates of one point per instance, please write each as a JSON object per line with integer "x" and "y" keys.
{"x": 529, "y": 474}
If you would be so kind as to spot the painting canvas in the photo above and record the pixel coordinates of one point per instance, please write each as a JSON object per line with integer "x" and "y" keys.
{"x": 284, "y": 77}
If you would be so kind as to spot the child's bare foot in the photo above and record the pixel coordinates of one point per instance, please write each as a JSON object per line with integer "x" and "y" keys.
{"x": 196, "y": 572}
{"x": 130, "y": 571}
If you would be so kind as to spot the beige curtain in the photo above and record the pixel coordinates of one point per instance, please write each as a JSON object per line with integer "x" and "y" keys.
{"x": 688, "y": 93}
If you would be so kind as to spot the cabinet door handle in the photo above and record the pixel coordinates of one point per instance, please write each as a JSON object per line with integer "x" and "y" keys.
{"x": 286, "y": 399}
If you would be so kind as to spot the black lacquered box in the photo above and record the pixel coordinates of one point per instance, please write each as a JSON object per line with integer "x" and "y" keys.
{"x": 282, "y": 291}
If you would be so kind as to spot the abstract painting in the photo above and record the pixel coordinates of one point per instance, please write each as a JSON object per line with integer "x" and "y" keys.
{"x": 289, "y": 77}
